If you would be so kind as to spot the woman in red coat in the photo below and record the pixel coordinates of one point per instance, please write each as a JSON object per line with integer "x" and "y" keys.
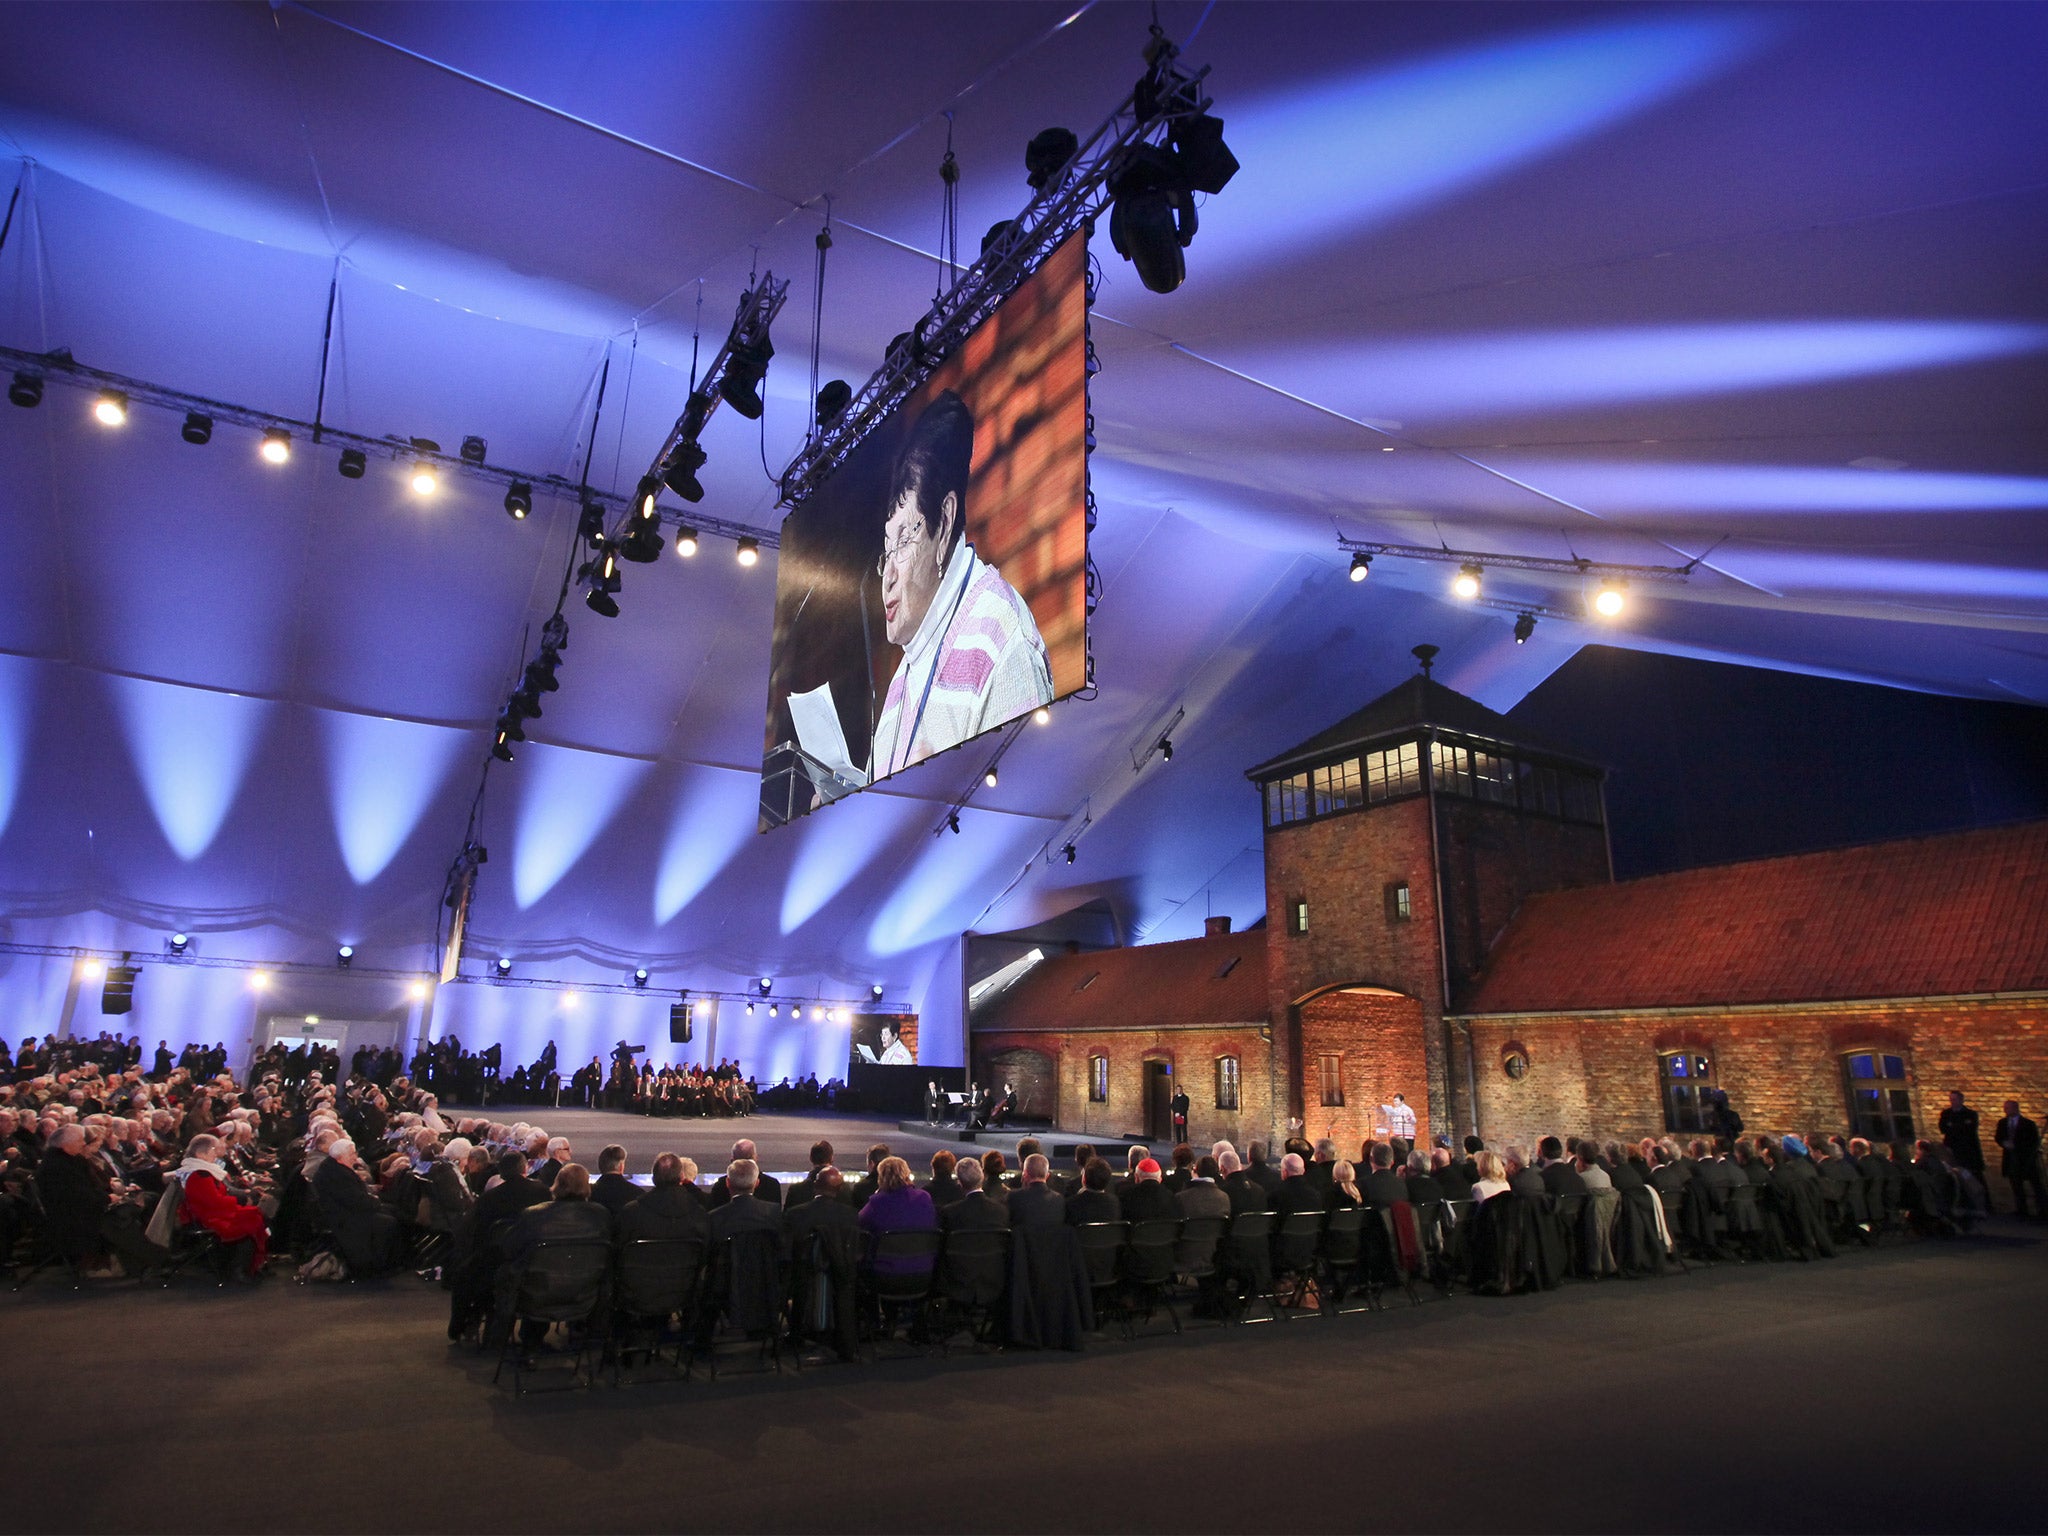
{"x": 209, "y": 1204}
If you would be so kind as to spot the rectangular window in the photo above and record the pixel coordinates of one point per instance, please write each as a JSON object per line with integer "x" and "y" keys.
{"x": 1338, "y": 787}
{"x": 1297, "y": 915}
{"x": 1880, "y": 1104}
{"x": 1287, "y": 800}
{"x": 1226, "y": 1082}
{"x": 1495, "y": 777}
{"x": 1685, "y": 1080}
{"x": 1098, "y": 1079}
{"x": 1581, "y": 798}
{"x": 1396, "y": 771}
{"x": 1331, "y": 1070}
{"x": 1451, "y": 769}
{"x": 1400, "y": 904}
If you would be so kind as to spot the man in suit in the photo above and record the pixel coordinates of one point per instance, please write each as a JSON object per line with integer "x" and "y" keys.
{"x": 1522, "y": 1179}
{"x": 974, "y": 1211}
{"x": 1026, "y": 1147}
{"x": 944, "y": 1186}
{"x": 1243, "y": 1191}
{"x": 1449, "y": 1176}
{"x": 806, "y": 1187}
{"x": 365, "y": 1231}
{"x": 1179, "y": 1106}
{"x": 824, "y": 1246}
{"x": 1034, "y": 1203}
{"x": 1319, "y": 1171}
{"x": 1259, "y": 1171}
{"x": 1146, "y": 1197}
{"x": 1093, "y": 1201}
{"x": 1296, "y": 1192}
{"x": 764, "y": 1186}
{"x": 1204, "y": 1196}
{"x": 568, "y": 1216}
{"x": 1559, "y": 1176}
{"x": 671, "y": 1209}
{"x": 613, "y": 1190}
{"x": 744, "y": 1208}
{"x": 1959, "y": 1131}
{"x": 864, "y": 1187}
{"x": 1070, "y": 1184}
{"x": 2019, "y": 1145}
{"x": 1422, "y": 1189}
{"x": 558, "y": 1157}
{"x": 1382, "y": 1186}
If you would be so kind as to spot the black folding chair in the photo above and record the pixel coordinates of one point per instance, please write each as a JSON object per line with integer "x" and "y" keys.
{"x": 1195, "y": 1261}
{"x": 1337, "y": 1256}
{"x": 1245, "y": 1261}
{"x": 1296, "y": 1242}
{"x": 43, "y": 1250}
{"x": 746, "y": 1292}
{"x": 1148, "y": 1269}
{"x": 974, "y": 1280}
{"x": 658, "y": 1279}
{"x": 897, "y": 1275}
{"x": 561, "y": 1283}
{"x": 1102, "y": 1244}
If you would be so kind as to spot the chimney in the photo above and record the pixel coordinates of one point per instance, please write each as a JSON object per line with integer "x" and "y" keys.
{"x": 1215, "y": 926}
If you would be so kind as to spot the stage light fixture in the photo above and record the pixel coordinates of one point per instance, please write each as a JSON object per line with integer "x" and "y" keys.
{"x": 679, "y": 469}
{"x": 90, "y": 969}
{"x": 876, "y": 991}
{"x": 750, "y": 1010}
{"x": 645, "y": 495}
{"x": 640, "y": 977}
{"x": 817, "y": 1014}
{"x": 833, "y": 400}
{"x": 417, "y": 991}
{"x": 425, "y": 478}
{"x": 178, "y": 943}
{"x": 198, "y": 429}
{"x": 766, "y": 984}
{"x": 504, "y": 965}
{"x": 590, "y": 525}
{"x": 1361, "y": 566}
{"x": 510, "y": 724}
{"x": 1070, "y": 853}
{"x": 540, "y": 672}
{"x": 1166, "y": 749}
{"x": 1205, "y": 161}
{"x": 686, "y": 543}
{"x": 277, "y": 445}
{"x": 773, "y": 1011}
{"x": 519, "y": 499}
{"x": 26, "y": 390}
{"x": 259, "y": 981}
{"x": 953, "y": 821}
{"x": 345, "y": 956}
{"x": 747, "y": 551}
{"x": 1466, "y": 583}
{"x": 599, "y": 602}
{"x": 1612, "y": 597}
{"x": 501, "y": 748}
{"x": 1048, "y": 150}
{"x": 643, "y": 540}
{"x": 111, "y": 408}
{"x": 1525, "y": 626}
{"x": 1153, "y": 217}
{"x": 989, "y": 778}
{"x": 745, "y": 368}
{"x": 473, "y": 450}
{"x": 1042, "y": 714}
{"x": 353, "y": 462}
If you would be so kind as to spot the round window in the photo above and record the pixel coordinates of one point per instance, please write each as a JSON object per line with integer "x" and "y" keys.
{"x": 1515, "y": 1064}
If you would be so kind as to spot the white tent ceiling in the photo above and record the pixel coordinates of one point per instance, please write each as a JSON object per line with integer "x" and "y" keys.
{"x": 1633, "y": 284}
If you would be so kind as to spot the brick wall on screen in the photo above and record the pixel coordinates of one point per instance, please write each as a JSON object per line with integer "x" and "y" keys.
{"x": 1191, "y": 1052}
{"x": 1781, "y": 1066}
{"x": 1379, "y": 1042}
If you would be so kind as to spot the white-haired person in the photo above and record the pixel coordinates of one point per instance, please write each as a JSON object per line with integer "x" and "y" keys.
{"x": 365, "y": 1232}
{"x": 209, "y": 1203}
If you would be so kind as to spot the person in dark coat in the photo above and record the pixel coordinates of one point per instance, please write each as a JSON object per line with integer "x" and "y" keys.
{"x": 824, "y": 1245}
{"x": 764, "y": 1188}
{"x": 974, "y": 1211}
{"x": 943, "y": 1187}
{"x": 1522, "y": 1179}
{"x": 1559, "y": 1176}
{"x": 1383, "y": 1187}
{"x": 568, "y": 1216}
{"x": 1259, "y": 1171}
{"x": 746, "y": 1277}
{"x": 1093, "y": 1201}
{"x": 1959, "y": 1133}
{"x": 671, "y": 1209}
{"x": 1035, "y": 1203}
{"x": 806, "y": 1187}
{"x": 1297, "y": 1192}
{"x": 1146, "y": 1197}
{"x": 1205, "y": 1195}
{"x": 84, "y": 1217}
{"x": 2019, "y": 1146}
{"x": 1244, "y": 1192}
{"x": 366, "y": 1234}
{"x": 613, "y": 1190}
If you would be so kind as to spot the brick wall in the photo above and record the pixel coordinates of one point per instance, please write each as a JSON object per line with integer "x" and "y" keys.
{"x": 1192, "y": 1053}
{"x": 1494, "y": 858}
{"x": 1781, "y": 1066}
{"x": 1379, "y": 1038}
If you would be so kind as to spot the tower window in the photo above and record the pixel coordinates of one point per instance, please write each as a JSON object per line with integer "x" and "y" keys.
{"x": 1400, "y": 904}
{"x": 1226, "y": 1082}
{"x": 1098, "y": 1079}
{"x": 1338, "y": 787}
{"x": 1880, "y": 1104}
{"x": 1396, "y": 771}
{"x": 1331, "y": 1070}
{"x": 1297, "y": 915}
{"x": 1287, "y": 800}
{"x": 1686, "y": 1082}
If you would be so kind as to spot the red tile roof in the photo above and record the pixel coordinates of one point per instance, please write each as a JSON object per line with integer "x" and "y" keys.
{"x": 1219, "y": 980}
{"x": 1923, "y": 917}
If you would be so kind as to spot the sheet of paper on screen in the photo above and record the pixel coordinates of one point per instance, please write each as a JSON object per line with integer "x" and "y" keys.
{"x": 934, "y": 588}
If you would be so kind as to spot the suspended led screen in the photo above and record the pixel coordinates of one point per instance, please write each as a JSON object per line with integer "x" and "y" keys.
{"x": 934, "y": 588}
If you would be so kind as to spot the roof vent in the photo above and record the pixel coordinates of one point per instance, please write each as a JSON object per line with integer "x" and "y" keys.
{"x": 1215, "y": 926}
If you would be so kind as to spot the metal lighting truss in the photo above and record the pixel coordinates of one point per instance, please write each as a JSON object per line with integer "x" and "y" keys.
{"x": 1575, "y": 566}
{"x": 1070, "y": 199}
{"x": 758, "y": 307}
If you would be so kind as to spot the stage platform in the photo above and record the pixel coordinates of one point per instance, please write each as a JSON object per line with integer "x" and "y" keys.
{"x": 1057, "y": 1145}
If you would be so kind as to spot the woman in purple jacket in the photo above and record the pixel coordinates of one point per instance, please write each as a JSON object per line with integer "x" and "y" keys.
{"x": 898, "y": 1205}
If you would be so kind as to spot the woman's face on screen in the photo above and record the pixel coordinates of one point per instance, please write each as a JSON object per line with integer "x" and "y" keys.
{"x": 912, "y": 562}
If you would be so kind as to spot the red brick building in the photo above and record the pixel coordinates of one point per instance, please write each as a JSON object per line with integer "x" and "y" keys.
{"x": 1442, "y": 923}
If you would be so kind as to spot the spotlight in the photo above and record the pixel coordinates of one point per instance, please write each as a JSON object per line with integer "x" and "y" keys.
{"x": 1070, "y": 853}
{"x": 501, "y": 748}
{"x": 1611, "y": 599}
{"x": 540, "y": 676}
{"x": 989, "y": 778}
{"x": 504, "y": 965}
{"x": 679, "y": 470}
{"x": 26, "y": 391}
{"x": 509, "y": 726}
{"x": 1525, "y": 626}
{"x": 600, "y": 602}
{"x": 1046, "y": 154}
{"x": 277, "y": 445}
{"x": 745, "y": 368}
{"x": 90, "y": 969}
{"x": 817, "y": 1013}
{"x": 747, "y": 551}
{"x": 425, "y": 478}
{"x": 1466, "y": 583}
{"x": 995, "y": 232}
{"x": 750, "y": 1009}
{"x": 198, "y": 429}
{"x": 645, "y": 495}
{"x": 473, "y": 450}
{"x": 640, "y": 977}
{"x": 345, "y": 956}
{"x": 1153, "y": 218}
{"x": 833, "y": 400}
{"x": 111, "y": 408}
{"x": 590, "y": 525}
{"x": 417, "y": 991}
{"x": 353, "y": 462}
{"x": 766, "y": 984}
{"x": 773, "y": 1011}
{"x": 1166, "y": 749}
{"x": 519, "y": 499}
{"x": 1042, "y": 714}
{"x": 953, "y": 821}
{"x": 1361, "y": 566}
{"x": 524, "y": 702}
{"x": 643, "y": 541}
{"x": 259, "y": 981}
{"x": 178, "y": 943}
{"x": 876, "y": 991}
{"x": 686, "y": 542}
{"x": 1206, "y": 163}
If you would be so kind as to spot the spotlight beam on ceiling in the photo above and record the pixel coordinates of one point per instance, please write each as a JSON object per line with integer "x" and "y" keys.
{"x": 62, "y": 367}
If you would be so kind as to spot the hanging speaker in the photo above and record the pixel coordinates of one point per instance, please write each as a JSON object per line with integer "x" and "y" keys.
{"x": 118, "y": 993}
{"x": 680, "y": 1025}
